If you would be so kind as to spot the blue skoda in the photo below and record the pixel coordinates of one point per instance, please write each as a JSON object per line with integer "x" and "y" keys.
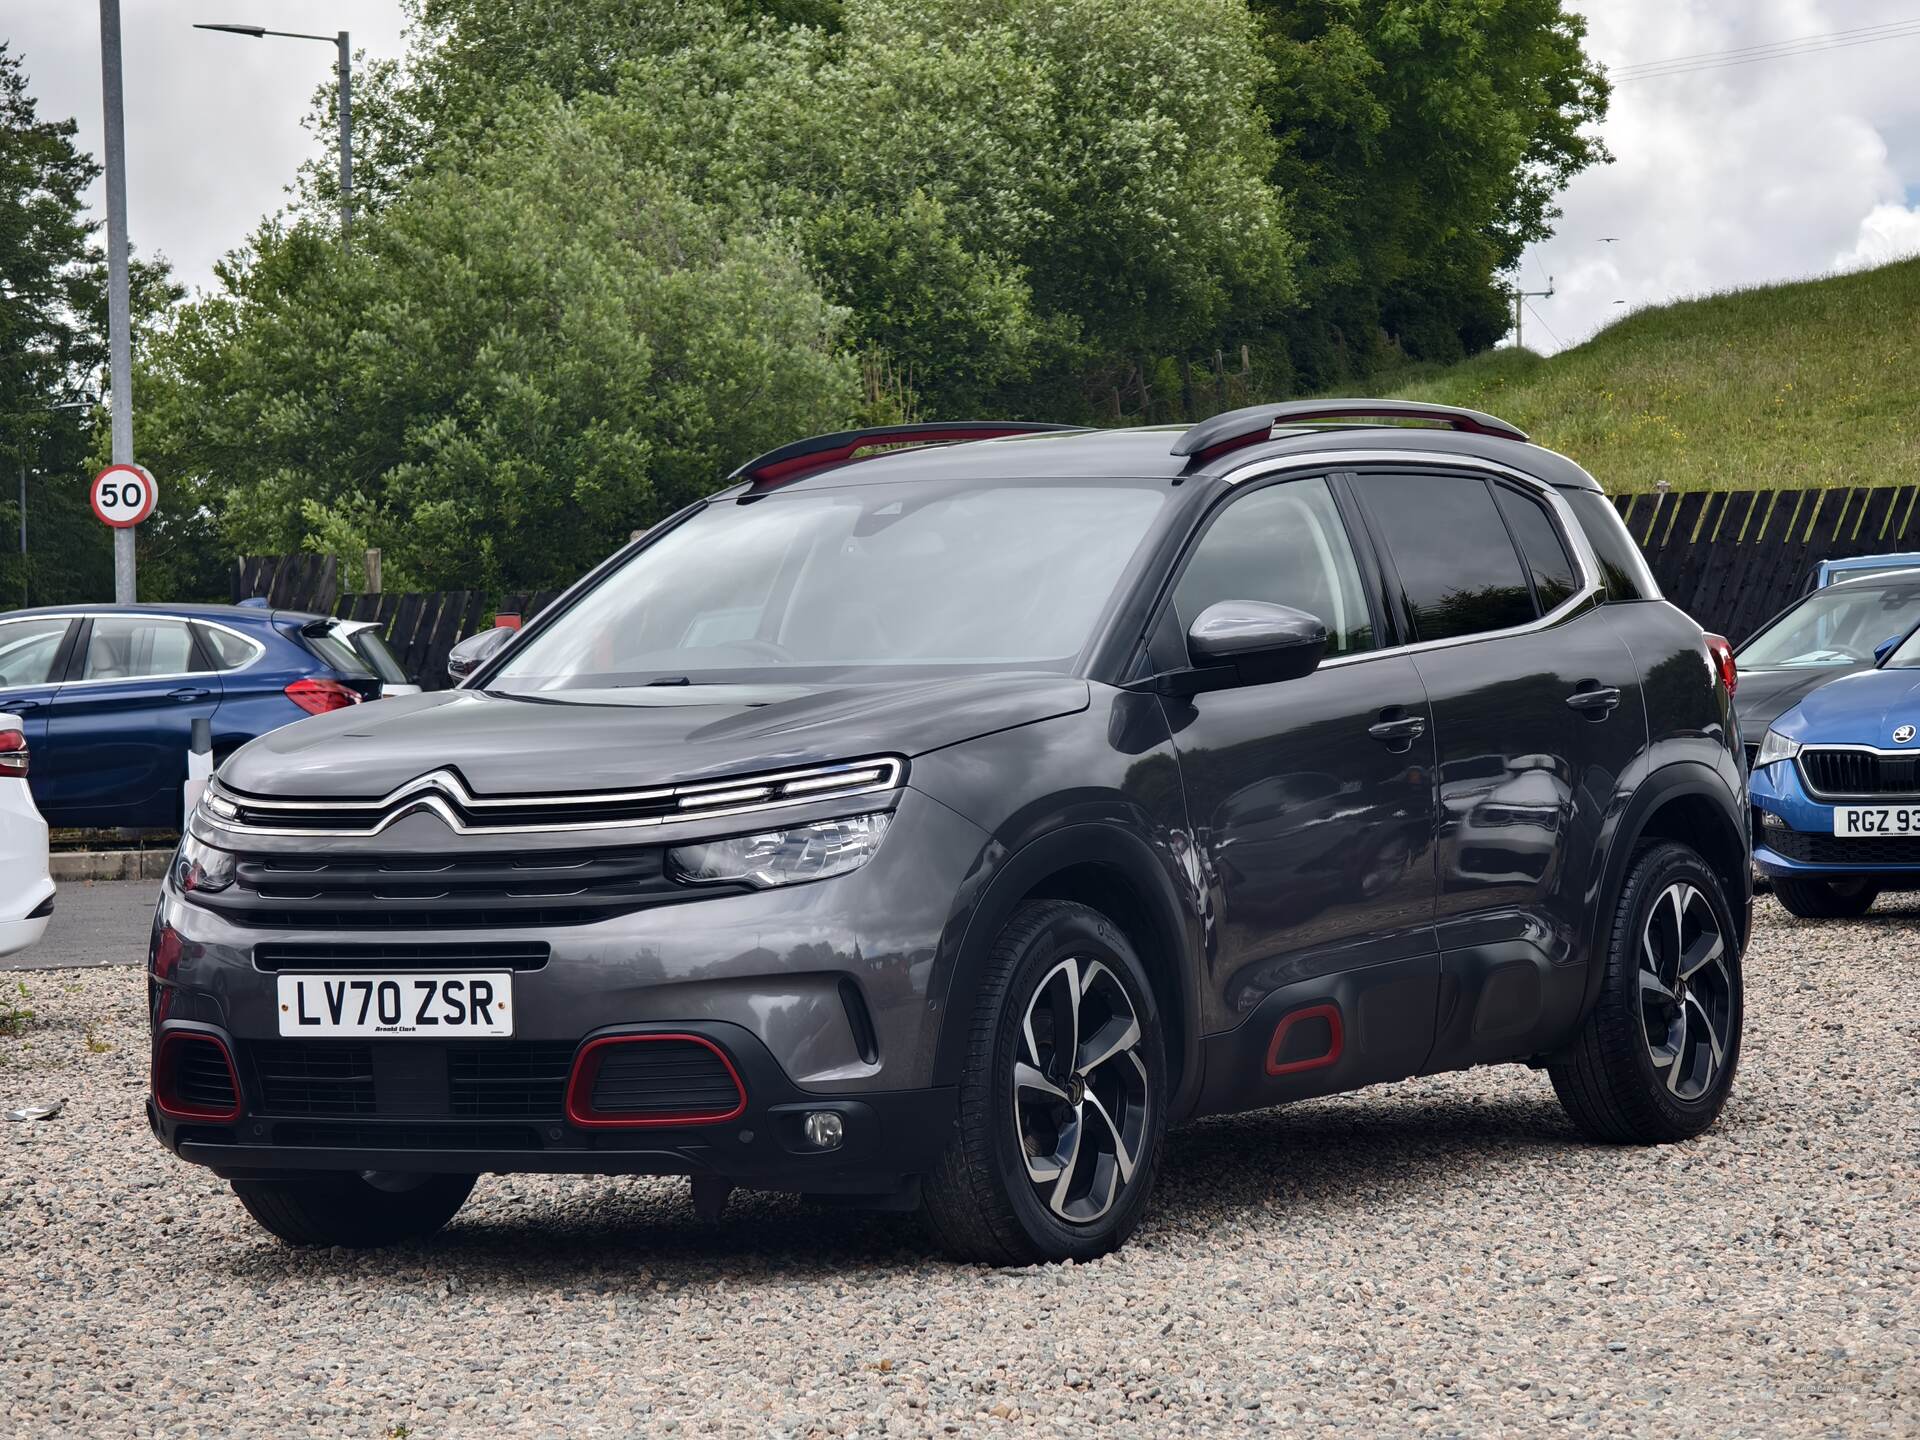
{"x": 1836, "y": 789}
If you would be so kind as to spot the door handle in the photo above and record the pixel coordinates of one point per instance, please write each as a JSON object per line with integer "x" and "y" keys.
{"x": 188, "y": 692}
{"x": 16, "y": 706}
{"x": 1594, "y": 700}
{"x": 1398, "y": 731}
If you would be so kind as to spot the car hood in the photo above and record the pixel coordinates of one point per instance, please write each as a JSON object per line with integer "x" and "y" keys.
{"x": 1764, "y": 694}
{"x": 1862, "y": 709}
{"x": 582, "y": 740}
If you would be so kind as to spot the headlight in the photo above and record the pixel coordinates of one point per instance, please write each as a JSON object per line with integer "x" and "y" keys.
{"x": 781, "y": 857}
{"x": 199, "y": 869}
{"x": 1775, "y": 746}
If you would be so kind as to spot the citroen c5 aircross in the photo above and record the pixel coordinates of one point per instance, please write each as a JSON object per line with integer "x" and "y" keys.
{"x": 934, "y": 815}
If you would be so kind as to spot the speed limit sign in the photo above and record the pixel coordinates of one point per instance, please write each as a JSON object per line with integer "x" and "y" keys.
{"x": 124, "y": 495}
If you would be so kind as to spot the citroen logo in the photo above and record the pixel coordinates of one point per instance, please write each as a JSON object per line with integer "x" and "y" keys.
{"x": 1903, "y": 734}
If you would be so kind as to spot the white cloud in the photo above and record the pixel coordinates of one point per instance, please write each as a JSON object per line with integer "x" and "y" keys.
{"x": 1890, "y": 232}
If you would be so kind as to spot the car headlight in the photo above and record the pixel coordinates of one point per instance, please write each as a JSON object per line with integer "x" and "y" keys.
{"x": 199, "y": 869}
{"x": 1775, "y": 746}
{"x": 781, "y": 857}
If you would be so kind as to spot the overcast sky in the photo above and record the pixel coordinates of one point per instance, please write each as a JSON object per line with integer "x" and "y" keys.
{"x": 1723, "y": 177}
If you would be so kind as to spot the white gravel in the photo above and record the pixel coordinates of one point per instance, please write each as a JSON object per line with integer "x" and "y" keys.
{"x": 1442, "y": 1256}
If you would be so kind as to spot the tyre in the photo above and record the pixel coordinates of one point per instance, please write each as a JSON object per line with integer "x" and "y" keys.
{"x": 1826, "y": 899}
{"x": 1062, "y": 1099}
{"x": 348, "y": 1209}
{"x": 1656, "y": 1057}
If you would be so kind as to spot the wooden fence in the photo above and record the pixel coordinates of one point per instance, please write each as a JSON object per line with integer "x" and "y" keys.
{"x": 1731, "y": 558}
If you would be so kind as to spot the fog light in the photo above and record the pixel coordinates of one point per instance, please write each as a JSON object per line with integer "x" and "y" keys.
{"x": 824, "y": 1129}
{"x": 1771, "y": 821}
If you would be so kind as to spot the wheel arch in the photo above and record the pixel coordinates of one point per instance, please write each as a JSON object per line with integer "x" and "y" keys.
{"x": 1117, "y": 873}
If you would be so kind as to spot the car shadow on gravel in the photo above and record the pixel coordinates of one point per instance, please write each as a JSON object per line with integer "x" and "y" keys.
{"x": 1349, "y": 1154}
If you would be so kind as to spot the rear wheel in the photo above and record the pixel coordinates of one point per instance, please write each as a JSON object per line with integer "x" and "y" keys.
{"x": 1656, "y": 1057}
{"x": 1063, "y": 1099}
{"x": 356, "y": 1209}
{"x": 1826, "y": 899}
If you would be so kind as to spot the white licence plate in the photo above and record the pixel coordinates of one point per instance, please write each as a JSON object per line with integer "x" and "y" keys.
{"x": 1876, "y": 820}
{"x": 425, "y": 1005}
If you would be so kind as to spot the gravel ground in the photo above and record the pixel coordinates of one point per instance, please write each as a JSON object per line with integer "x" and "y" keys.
{"x": 1442, "y": 1256}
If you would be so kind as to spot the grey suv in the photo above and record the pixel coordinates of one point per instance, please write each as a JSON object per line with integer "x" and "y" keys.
{"x": 935, "y": 814}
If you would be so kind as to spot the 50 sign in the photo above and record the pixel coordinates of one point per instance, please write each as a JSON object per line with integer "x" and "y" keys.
{"x": 124, "y": 495}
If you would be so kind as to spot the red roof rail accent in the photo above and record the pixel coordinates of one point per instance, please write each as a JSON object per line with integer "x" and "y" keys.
{"x": 1237, "y": 429}
{"x": 822, "y": 452}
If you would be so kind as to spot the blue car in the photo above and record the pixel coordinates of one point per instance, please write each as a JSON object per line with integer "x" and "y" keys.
{"x": 108, "y": 694}
{"x": 1855, "y": 567}
{"x": 1836, "y": 789}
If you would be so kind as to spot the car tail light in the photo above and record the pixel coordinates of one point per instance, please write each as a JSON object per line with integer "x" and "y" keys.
{"x": 194, "y": 1078}
{"x": 317, "y": 697}
{"x": 1722, "y": 654}
{"x": 13, "y": 753}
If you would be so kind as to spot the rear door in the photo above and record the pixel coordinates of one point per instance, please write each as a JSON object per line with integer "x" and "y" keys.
{"x": 33, "y": 656}
{"x": 1539, "y": 716}
{"x": 123, "y": 719}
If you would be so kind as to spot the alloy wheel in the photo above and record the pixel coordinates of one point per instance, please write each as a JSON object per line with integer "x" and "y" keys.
{"x": 1686, "y": 991}
{"x": 1080, "y": 1093}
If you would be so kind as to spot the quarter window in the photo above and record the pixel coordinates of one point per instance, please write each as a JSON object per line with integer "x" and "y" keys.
{"x": 1284, "y": 545}
{"x": 138, "y": 647}
{"x": 1458, "y": 569}
{"x": 229, "y": 651}
{"x": 27, "y": 651}
{"x": 1554, "y": 578}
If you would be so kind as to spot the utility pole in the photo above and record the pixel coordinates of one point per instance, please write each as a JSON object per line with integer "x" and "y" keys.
{"x": 119, "y": 309}
{"x": 1520, "y": 298}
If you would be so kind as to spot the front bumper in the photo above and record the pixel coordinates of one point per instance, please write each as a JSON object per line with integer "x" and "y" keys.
{"x": 1793, "y": 837}
{"x": 888, "y": 1136}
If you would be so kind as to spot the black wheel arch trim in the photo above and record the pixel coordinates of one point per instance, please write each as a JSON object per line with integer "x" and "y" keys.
{"x": 1026, "y": 872}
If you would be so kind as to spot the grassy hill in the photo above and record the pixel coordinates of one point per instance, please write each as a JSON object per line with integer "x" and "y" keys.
{"x": 1816, "y": 383}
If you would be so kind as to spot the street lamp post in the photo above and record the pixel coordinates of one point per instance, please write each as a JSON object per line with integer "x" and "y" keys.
{"x": 119, "y": 310}
{"x": 344, "y": 65}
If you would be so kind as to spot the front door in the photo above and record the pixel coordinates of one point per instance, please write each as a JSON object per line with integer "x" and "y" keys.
{"x": 33, "y": 655}
{"x": 124, "y": 718}
{"x": 1311, "y": 804}
{"x": 1539, "y": 714}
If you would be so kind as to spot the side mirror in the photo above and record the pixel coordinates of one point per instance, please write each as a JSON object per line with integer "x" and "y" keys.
{"x": 1248, "y": 642}
{"x": 470, "y": 653}
{"x": 1886, "y": 647}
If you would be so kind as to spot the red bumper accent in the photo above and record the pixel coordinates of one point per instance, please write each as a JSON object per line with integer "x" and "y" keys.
{"x": 1336, "y": 1040}
{"x": 586, "y": 1070}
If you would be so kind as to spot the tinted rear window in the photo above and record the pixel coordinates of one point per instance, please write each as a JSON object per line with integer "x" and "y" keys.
{"x": 336, "y": 652}
{"x": 1457, "y": 567}
{"x": 1621, "y": 564}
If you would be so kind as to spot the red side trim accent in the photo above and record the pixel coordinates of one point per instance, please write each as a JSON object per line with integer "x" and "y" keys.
{"x": 586, "y": 1069}
{"x": 1337, "y": 1040}
{"x": 1238, "y": 442}
{"x": 781, "y": 471}
{"x": 168, "y": 1098}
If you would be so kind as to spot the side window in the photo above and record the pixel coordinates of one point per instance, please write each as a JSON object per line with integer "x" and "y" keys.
{"x": 1284, "y": 545}
{"x": 229, "y": 651}
{"x": 1458, "y": 568}
{"x": 1621, "y": 564}
{"x": 135, "y": 647}
{"x": 1554, "y": 577}
{"x": 27, "y": 651}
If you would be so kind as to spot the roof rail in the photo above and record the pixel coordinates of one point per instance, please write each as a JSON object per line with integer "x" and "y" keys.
{"x": 1226, "y": 433}
{"x": 822, "y": 452}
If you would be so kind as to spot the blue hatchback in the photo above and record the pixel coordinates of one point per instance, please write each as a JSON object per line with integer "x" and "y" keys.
{"x": 108, "y": 695}
{"x": 1836, "y": 790}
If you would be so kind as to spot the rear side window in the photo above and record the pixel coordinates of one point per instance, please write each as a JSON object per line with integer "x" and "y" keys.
{"x": 139, "y": 647}
{"x": 229, "y": 651}
{"x": 1554, "y": 578}
{"x": 1458, "y": 569}
{"x": 1621, "y": 564}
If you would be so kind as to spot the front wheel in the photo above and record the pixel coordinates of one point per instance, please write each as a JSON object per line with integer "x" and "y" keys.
{"x": 1062, "y": 1100}
{"x": 1656, "y": 1057}
{"x": 1826, "y": 899}
{"x": 354, "y": 1209}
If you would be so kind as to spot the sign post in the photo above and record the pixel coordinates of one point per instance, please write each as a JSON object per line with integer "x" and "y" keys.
{"x": 123, "y": 496}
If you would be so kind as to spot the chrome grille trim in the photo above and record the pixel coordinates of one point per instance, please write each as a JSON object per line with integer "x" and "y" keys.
{"x": 445, "y": 794}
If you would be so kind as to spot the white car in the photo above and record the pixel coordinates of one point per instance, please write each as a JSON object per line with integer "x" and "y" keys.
{"x": 26, "y": 887}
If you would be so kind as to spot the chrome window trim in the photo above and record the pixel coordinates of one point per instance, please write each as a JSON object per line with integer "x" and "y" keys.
{"x": 432, "y": 791}
{"x": 188, "y": 620}
{"x": 1593, "y": 590}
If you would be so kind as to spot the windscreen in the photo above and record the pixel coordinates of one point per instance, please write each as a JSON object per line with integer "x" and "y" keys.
{"x": 864, "y": 582}
{"x": 1841, "y": 625}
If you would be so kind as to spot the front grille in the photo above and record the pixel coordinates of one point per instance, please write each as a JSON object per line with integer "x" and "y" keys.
{"x": 663, "y": 1078}
{"x": 412, "y": 1079}
{"x": 531, "y": 889}
{"x": 1865, "y": 851}
{"x": 1860, "y": 772}
{"x": 348, "y": 1136}
{"x": 478, "y": 955}
{"x": 201, "y": 1080}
